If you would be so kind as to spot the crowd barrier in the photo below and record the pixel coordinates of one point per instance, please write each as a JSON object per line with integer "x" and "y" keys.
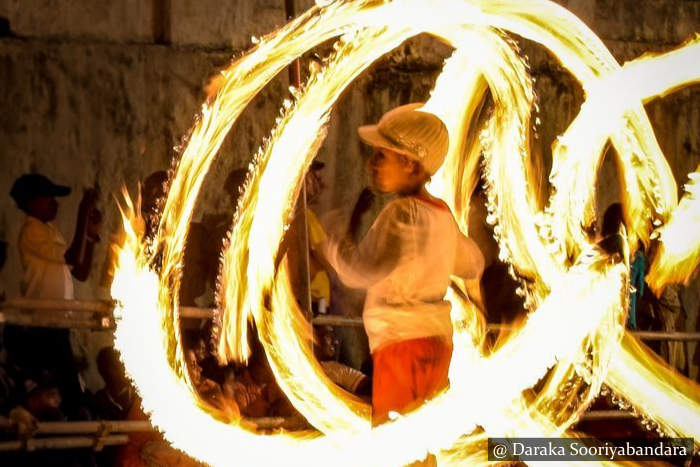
{"x": 97, "y": 315}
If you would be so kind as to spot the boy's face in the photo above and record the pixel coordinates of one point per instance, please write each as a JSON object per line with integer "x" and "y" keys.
{"x": 389, "y": 171}
{"x": 328, "y": 344}
{"x": 43, "y": 208}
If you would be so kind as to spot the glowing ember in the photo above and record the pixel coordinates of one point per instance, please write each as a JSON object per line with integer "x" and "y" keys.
{"x": 576, "y": 295}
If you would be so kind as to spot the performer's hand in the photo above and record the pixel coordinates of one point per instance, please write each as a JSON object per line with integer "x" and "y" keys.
{"x": 94, "y": 224}
{"x": 89, "y": 200}
{"x": 364, "y": 201}
{"x": 363, "y": 204}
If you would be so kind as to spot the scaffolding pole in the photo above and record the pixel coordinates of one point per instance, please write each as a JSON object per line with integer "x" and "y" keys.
{"x": 299, "y": 232}
{"x": 63, "y": 442}
{"x": 25, "y": 311}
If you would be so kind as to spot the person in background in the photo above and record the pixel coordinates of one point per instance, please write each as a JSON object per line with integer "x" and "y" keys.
{"x": 152, "y": 189}
{"x": 114, "y": 400}
{"x": 320, "y": 283}
{"x": 328, "y": 295}
{"x": 13, "y": 415}
{"x": 664, "y": 312}
{"x": 328, "y": 343}
{"x": 208, "y": 389}
{"x": 503, "y": 304}
{"x": 48, "y": 262}
{"x": 612, "y": 243}
{"x": 327, "y": 349}
{"x": 149, "y": 448}
{"x": 49, "y": 265}
{"x": 250, "y": 396}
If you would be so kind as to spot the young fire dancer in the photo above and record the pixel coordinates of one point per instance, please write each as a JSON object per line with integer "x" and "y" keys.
{"x": 405, "y": 261}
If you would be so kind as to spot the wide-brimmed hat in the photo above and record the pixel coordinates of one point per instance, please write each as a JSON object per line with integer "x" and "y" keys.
{"x": 419, "y": 135}
{"x": 32, "y": 186}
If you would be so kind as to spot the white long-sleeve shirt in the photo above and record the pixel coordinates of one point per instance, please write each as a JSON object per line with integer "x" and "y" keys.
{"x": 405, "y": 262}
{"x": 45, "y": 272}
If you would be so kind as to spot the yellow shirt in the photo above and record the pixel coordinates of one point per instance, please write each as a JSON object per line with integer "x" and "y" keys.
{"x": 320, "y": 283}
{"x": 45, "y": 272}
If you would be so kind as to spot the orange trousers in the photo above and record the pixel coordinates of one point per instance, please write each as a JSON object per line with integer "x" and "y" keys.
{"x": 408, "y": 373}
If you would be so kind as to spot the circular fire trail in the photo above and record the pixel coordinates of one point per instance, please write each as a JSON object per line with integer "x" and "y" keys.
{"x": 577, "y": 295}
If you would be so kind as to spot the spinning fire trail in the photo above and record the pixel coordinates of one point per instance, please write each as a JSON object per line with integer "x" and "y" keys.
{"x": 577, "y": 296}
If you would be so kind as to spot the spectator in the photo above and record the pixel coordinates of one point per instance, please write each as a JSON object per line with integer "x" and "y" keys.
{"x": 47, "y": 260}
{"x": 328, "y": 346}
{"x": 48, "y": 263}
{"x": 114, "y": 400}
{"x": 152, "y": 190}
{"x": 44, "y": 402}
{"x": 199, "y": 341}
{"x": 612, "y": 243}
{"x": 209, "y": 390}
{"x": 249, "y": 395}
{"x": 664, "y": 312}
{"x": 149, "y": 448}
{"x": 503, "y": 304}
{"x": 670, "y": 317}
{"x": 327, "y": 351}
{"x": 320, "y": 284}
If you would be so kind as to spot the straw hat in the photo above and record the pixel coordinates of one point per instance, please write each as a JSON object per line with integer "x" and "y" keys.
{"x": 421, "y": 136}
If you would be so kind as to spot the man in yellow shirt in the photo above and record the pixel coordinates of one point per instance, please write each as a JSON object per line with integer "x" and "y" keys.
{"x": 320, "y": 283}
{"x": 49, "y": 265}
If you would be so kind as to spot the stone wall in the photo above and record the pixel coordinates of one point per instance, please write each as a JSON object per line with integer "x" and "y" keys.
{"x": 98, "y": 93}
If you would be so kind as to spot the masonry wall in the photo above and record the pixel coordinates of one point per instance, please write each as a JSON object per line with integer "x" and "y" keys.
{"x": 99, "y": 92}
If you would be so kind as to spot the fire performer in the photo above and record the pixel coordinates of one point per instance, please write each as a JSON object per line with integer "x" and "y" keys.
{"x": 405, "y": 261}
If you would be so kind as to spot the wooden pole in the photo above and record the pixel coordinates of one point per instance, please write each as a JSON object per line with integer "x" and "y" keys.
{"x": 66, "y": 442}
{"x": 17, "y": 308}
{"x": 120, "y": 426}
{"x": 83, "y": 427}
{"x": 298, "y": 254}
{"x": 57, "y": 304}
{"x": 643, "y": 335}
{"x": 161, "y": 21}
{"x": 105, "y": 433}
{"x": 56, "y": 321}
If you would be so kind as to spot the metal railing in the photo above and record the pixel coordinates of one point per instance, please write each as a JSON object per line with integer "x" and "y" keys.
{"x": 97, "y": 314}
{"x": 95, "y": 434}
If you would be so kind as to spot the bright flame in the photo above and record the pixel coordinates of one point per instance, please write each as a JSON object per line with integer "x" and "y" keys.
{"x": 679, "y": 253}
{"x": 577, "y": 297}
